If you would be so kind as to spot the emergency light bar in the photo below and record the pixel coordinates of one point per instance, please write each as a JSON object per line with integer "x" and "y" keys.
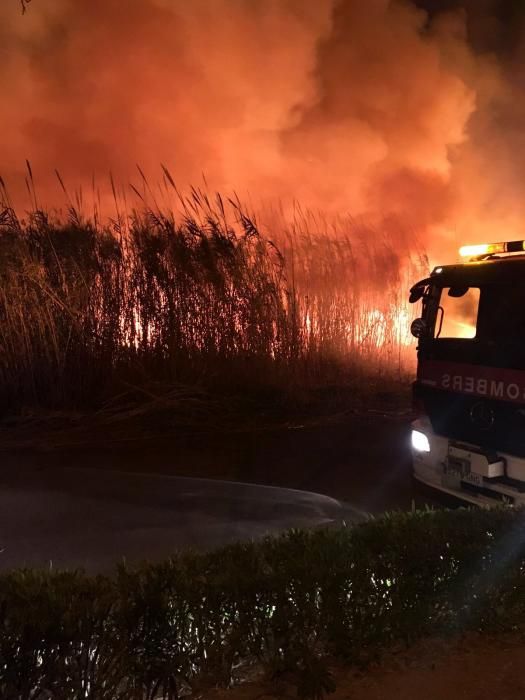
{"x": 474, "y": 251}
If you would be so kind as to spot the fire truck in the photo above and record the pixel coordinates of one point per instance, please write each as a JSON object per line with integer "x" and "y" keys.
{"x": 468, "y": 432}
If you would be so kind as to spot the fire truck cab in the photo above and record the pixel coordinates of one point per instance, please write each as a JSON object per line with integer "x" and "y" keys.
{"x": 468, "y": 432}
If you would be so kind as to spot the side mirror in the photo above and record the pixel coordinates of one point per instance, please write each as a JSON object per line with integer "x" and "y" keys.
{"x": 457, "y": 292}
{"x": 418, "y": 327}
{"x": 416, "y": 293}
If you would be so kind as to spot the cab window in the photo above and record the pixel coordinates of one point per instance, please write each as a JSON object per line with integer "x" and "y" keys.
{"x": 457, "y": 315}
{"x": 502, "y": 312}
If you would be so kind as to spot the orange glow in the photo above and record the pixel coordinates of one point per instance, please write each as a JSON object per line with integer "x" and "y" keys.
{"x": 350, "y": 108}
{"x": 460, "y": 315}
{"x": 471, "y": 251}
{"x": 343, "y": 106}
{"x": 387, "y": 327}
{"x": 463, "y": 329}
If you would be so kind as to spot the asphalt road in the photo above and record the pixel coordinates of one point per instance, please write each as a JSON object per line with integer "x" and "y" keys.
{"x": 95, "y": 507}
{"x": 92, "y": 519}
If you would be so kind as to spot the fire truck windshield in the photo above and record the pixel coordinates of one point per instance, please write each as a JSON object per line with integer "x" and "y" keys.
{"x": 457, "y": 315}
{"x": 492, "y": 312}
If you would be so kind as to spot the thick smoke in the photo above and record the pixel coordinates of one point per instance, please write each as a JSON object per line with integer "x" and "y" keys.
{"x": 376, "y": 108}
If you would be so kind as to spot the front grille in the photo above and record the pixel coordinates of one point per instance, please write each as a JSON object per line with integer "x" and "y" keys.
{"x": 451, "y": 416}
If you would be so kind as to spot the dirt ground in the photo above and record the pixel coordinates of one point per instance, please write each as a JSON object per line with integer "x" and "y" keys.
{"x": 474, "y": 667}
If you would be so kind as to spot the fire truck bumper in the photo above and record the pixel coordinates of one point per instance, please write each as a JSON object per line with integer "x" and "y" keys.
{"x": 464, "y": 472}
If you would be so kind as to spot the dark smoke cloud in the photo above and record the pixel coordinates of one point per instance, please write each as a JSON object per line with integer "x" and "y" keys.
{"x": 379, "y": 108}
{"x": 492, "y": 25}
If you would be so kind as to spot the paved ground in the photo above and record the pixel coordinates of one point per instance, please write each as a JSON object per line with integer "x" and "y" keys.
{"x": 472, "y": 667}
{"x": 89, "y": 518}
{"x": 92, "y": 507}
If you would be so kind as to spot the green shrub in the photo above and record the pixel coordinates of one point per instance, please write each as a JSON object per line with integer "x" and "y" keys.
{"x": 291, "y": 603}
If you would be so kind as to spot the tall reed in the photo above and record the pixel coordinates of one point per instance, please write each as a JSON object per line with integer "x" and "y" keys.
{"x": 194, "y": 297}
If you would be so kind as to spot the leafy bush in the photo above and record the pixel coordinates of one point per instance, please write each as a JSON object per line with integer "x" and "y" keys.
{"x": 291, "y": 603}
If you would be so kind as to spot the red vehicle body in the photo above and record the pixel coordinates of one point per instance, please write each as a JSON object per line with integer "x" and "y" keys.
{"x": 468, "y": 436}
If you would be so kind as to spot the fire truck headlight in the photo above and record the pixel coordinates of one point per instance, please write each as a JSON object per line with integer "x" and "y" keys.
{"x": 420, "y": 441}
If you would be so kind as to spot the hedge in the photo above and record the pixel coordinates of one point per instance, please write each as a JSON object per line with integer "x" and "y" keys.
{"x": 292, "y": 604}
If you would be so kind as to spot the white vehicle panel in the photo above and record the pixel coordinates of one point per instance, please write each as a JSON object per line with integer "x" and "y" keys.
{"x": 438, "y": 470}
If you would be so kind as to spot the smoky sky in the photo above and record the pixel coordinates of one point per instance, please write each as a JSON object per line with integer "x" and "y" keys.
{"x": 379, "y": 109}
{"x": 492, "y": 25}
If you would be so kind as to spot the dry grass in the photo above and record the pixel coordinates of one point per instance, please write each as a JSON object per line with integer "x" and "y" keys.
{"x": 198, "y": 297}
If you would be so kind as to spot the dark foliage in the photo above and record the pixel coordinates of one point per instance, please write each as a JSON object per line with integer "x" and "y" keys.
{"x": 292, "y": 604}
{"x": 90, "y": 311}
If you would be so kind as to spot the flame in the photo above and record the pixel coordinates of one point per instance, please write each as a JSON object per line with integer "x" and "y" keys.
{"x": 380, "y": 328}
{"x": 374, "y": 108}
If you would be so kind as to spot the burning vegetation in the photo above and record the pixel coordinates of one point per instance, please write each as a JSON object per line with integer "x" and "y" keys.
{"x": 198, "y": 297}
{"x": 384, "y": 115}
